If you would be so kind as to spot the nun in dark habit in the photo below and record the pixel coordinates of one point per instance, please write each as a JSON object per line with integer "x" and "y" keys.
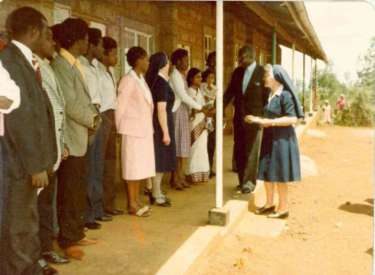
{"x": 164, "y": 138}
{"x": 279, "y": 162}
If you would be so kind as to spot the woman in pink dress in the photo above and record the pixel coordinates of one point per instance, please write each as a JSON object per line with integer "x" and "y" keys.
{"x": 134, "y": 122}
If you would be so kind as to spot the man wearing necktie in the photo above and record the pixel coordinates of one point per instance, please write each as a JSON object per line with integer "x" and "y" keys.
{"x": 248, "y": 92}
{"x": 29, "y": 148}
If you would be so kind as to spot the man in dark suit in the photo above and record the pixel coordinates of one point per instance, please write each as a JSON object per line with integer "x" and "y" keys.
{"x": 247, "y": 89}
{"x": 29, "y": 147}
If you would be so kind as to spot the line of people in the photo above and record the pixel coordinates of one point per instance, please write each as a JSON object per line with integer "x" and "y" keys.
{"x": 61, "y": 109}
{"x": 164, "y": 120}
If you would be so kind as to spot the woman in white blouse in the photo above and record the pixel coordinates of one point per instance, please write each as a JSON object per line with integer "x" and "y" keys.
{"x": 182, "y": 105}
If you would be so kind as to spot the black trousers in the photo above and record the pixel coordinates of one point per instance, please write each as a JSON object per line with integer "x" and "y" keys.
{"x": 211, "y": 146}
{"x": 19, "y": 242}
{"x": 109, "y": 184}
{"x": 46, "y": 212}
{"x": 247, "y": 144}
{"x": 72, "y": 200}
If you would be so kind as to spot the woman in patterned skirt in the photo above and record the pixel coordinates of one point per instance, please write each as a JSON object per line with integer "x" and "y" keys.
{"x": 182, "y": 105}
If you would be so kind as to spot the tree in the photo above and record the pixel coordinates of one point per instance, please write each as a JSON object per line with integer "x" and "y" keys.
{"x": 329, "y": 87}
{"x": 366, "y": 74}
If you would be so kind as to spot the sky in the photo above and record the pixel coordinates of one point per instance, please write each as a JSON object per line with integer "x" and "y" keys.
{"x": 344, "y": 29}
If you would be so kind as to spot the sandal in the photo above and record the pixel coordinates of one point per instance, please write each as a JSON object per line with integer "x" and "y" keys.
{"x": 178, "y": 186}
{"x": 140, "y": 212}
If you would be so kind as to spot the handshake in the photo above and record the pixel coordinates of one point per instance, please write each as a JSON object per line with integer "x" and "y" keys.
{"x": 208, "y": 110}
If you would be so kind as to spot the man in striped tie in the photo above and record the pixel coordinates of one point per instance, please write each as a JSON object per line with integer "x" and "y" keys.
{"x": 29, "y": 147}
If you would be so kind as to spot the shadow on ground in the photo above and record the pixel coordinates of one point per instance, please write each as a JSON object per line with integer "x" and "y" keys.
{"x": 370, "y": 201}
{"x": 357, "y": 208}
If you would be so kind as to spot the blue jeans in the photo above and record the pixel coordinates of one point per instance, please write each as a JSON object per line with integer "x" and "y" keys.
{"x": 96, "y": 160}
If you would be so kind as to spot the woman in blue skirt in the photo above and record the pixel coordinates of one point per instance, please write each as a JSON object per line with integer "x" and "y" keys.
{"x": 279, "y": 162}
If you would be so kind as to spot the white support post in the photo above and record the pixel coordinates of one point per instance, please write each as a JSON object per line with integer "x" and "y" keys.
{"x": 219, "y": 101}
{"x": 293, "y": 64}
{"x": 219, "y": 215}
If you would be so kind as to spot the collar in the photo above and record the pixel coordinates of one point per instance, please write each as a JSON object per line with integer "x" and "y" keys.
{"x": 277, "y": 93}
{"x": 25, "y": 50}
{"x": 95, "y": 62}
{"x": 166, "y": 78}
{"x": 251, "y": 66}
{"x": 134, "y": 74}
{"x": 68, "y": 56}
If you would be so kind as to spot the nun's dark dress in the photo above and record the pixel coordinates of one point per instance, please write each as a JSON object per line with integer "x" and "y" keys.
{"x": 165, "y": 156}
{"x": 279, "y": 155}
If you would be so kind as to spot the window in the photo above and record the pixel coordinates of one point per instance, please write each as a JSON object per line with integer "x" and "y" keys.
{"x": 99, "y": 26}
{"x": 208, "y": 45}
{"x": 261, "y": 57}
{"x": 135, "y": 38}
{"x": 185, "y": 47}
{"x": 60, "y": 13}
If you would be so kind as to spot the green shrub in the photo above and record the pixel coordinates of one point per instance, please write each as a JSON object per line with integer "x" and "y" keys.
{"x": 359, "y": 111}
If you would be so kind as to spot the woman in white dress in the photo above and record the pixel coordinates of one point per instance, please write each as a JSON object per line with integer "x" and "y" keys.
{"x": 199, "y": 166}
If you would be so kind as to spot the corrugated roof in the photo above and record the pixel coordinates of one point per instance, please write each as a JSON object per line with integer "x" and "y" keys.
{"x": 292, "y": 24}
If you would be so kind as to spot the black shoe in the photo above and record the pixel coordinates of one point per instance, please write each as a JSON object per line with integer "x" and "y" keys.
{"x": 166, "y": 203}
{"x": 212, "y": 175}
{"x": 54, "y": 258}
{"x": 49, "y": 270}
{"x": 115, "y": 212}
{"x": 93, "y": 225}
{"x": 104, "y": 218}
{"x": 279, "y": 215}
{"x": 264, "y": 210}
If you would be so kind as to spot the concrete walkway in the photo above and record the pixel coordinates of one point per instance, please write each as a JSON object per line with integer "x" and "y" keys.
{"x": 143, "y": 246}
{"x": 140, "y": 246}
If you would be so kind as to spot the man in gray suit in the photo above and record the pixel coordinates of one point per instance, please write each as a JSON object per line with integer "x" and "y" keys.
{"x": 46, "y": 205}
{"x": 82, "y": 120}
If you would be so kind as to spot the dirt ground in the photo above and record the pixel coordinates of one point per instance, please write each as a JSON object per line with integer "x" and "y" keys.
{"x": 329, "y": 231}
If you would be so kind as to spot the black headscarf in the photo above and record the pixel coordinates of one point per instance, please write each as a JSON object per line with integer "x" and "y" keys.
{"x": 157, "y": 61}
{"x": 282, "y": 77}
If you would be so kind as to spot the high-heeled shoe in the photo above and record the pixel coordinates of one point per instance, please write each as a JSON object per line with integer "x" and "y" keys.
{"x": 148, "y": 193}
{"x": 279, "y": 215}
{"x": 265, "y": 210}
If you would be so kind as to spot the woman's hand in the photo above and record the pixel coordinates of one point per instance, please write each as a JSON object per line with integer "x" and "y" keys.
{"x": 266, "y": 122}
{"x": 166, "y": 139}
{"x": 252, "y": 119}
{"x": 65, "y": 153}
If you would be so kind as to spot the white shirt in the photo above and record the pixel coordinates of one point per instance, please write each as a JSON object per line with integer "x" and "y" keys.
{"x": 91, "y": 78}
{"x": 108, "y": 88}
{"x": 277, "y": 93}
{"x": 9, "y": 89}
{"x": 247, "y": 76}
{"x": 179, "y": 87}
{"x": 166, "y": 78}
{"x": 25, "y": 50}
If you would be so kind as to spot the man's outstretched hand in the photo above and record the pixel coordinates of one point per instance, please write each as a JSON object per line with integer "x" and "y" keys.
{"x": 40, "y": 180}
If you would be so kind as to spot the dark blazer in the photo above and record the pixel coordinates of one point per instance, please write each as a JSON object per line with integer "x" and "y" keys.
{"x": 30, "y": 142}
{"x": 254, "y": 99}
